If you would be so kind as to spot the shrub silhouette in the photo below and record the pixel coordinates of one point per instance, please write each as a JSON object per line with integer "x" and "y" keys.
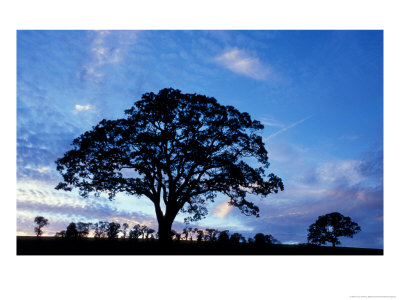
{"x": 184, "y": 149}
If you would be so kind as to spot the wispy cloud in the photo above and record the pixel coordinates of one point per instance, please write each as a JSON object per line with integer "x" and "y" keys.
{"x": 270, "y": 122}
{"x": 40, "y": 169}
{"x": 102, "y": 52}
{"x": 107, "y": 47}
{"x": 238, "y": 61}
{"x": 349, "y": 170}
{"x": 79, "y": 108}
{"x": 287, "y": 128}
{"x": 222, "y": 210}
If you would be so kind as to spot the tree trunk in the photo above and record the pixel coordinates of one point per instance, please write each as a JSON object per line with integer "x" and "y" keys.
{"x": 333, "y": 244}
{"x": 165, "y": 222}
{"x": 164, "y": 230}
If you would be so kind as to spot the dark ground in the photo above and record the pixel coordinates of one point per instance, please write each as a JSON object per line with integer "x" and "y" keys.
{"x": 90, "y": 246}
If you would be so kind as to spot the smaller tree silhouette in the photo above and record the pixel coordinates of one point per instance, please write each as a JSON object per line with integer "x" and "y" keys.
{"x": 125, "y": 226}
{"x": 135, "y": 232}
{"x": 41, "y": 222}
{"x": 112, "y": 230}
{"x": 223, "y": 236}
{"x": 149, "y": 233}
{"x": 190, "y": 231}
{"x": 143, "y": 230}
{"x": 100, "y": 229}
{"x": 259, "y": 239}
{"x": 173, "y": 233}
{"x": 211, "y": 234}
{"x": 185, "y": 233}
{"x": 71, "y": 231}
{"x": 265, "y": 239}
{"x": 236, "y": 238}
{"x": 193, "y": 233}
{"x": 331, "y": 226}
{"x": 132, "y": 235}
{"x": 269, "y": 239}
{"x": 60, "y": 234}
{"x": 83, "y": 229}
{"x": 200, "y": 235}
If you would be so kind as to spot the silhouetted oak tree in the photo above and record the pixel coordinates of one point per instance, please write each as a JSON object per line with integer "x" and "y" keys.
{"x": 331, "y": 226}
{"x": 41, "y": 222}
{"x": 176, "y": 149}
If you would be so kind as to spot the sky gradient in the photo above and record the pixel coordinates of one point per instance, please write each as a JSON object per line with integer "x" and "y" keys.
{"x": 318, "y": 93}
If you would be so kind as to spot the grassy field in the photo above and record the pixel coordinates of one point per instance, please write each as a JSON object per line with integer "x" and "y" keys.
{"x": 90, "y": 246}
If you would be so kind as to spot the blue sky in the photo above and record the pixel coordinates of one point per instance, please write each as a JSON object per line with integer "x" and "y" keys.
{"x": 318, "y": 93}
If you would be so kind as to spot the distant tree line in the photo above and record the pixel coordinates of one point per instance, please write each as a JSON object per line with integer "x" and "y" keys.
{"x": 104, "y": 229}
{"x": 327, "y": 228}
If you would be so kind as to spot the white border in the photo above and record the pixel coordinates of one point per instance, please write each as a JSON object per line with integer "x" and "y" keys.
{"x": 199, "y": 277}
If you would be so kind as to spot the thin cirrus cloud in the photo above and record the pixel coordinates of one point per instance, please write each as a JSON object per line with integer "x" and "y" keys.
{"x": 270, "y": 122}
{"x": 239, "y": 62}
{"x": 287, "y": 128}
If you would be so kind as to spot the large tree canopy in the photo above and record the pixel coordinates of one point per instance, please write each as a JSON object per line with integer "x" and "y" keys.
{"x": 329, "y": 227}
{"x": 175, "y": 148}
